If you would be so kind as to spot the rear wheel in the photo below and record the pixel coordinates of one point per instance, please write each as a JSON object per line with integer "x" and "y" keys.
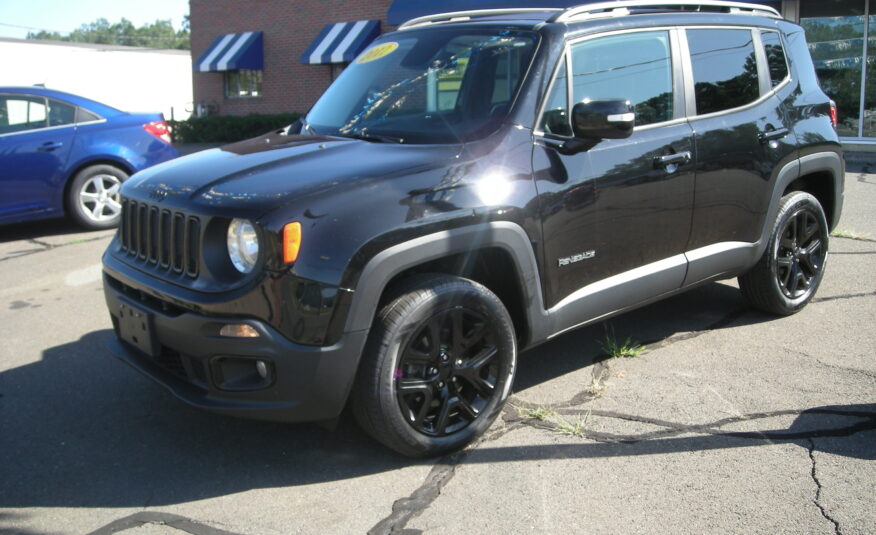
{"x": 437, "y": 368}
{"x": 93, "y": 198}
{"x": 787, "y": 276}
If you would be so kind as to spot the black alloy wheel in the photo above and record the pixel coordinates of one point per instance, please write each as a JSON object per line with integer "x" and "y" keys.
{"x": 438, "y": 365}
{"x": 448, "y": 371}
{"x": 800, "y": 254}
{"x": 788, "y": 273}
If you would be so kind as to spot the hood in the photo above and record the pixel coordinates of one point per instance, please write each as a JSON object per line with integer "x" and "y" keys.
{"x": 260, "y": 174}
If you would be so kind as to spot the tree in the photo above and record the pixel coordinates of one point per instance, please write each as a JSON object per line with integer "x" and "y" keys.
{"x": 159, "y": 34}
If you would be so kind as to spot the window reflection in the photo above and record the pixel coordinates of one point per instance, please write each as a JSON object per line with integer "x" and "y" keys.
{"x": 870, "y": 97}
{"x": 835, "y": 32}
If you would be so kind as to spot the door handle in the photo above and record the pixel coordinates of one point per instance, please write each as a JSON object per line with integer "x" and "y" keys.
{"x": 49, "y": 146}
{"x": 672, "y": 159}
{"x": 770, "y": 135}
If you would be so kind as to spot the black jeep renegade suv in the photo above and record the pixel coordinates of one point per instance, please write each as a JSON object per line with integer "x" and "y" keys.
{"x": 473, "y": 184}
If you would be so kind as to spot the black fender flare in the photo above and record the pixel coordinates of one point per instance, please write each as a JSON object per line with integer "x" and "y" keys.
{"x": 388, "y": 263}
{"x": 829, "y": 161}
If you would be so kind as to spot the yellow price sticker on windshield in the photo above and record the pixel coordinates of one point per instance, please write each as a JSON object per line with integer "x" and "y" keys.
{"x": 377, "y": 52}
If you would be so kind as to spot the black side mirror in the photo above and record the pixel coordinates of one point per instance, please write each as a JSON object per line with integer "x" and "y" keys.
{"x": 603, "y": 119}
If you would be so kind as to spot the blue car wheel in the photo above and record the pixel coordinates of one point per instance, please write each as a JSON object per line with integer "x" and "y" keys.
{"x": 93, "y": 198}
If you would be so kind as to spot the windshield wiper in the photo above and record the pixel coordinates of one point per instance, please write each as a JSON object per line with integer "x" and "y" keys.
{"x": 368, "y": 136}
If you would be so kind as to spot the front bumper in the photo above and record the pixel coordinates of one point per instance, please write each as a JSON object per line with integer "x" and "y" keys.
{"x": 183, "y": 351}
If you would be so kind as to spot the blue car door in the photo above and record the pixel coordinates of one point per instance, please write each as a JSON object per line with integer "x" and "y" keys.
{"x": 35, "y": 139}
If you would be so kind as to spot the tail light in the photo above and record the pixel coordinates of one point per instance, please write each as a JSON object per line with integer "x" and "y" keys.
{"x": 158, "y": 129}
{"x": 833, "y": 113}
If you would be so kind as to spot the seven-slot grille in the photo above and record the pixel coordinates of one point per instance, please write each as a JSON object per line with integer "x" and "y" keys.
{"x": 164, "y": 238}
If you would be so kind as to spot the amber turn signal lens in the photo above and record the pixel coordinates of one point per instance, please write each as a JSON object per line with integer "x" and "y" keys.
{"x": 291, "y": 241}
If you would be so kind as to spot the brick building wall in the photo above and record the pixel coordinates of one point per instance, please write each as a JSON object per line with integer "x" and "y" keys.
{"x": 289, "y": 26}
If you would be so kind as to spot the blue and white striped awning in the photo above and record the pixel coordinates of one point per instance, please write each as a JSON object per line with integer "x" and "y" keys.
{"x": 341, "y": 42}
{"x": 233, "y": 52}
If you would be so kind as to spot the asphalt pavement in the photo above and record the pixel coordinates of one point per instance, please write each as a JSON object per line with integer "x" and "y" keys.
{"x": 730, "y": 421}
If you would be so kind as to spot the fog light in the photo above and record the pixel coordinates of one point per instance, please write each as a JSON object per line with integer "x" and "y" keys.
{"x": 262, "y": 368}
{"x": 239, "y": 330}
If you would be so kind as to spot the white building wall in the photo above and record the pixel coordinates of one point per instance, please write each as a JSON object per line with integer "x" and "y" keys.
{"x": 127, "y": 78}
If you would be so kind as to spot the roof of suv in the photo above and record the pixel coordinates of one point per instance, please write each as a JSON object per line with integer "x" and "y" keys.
{"x": 592, "y": 11}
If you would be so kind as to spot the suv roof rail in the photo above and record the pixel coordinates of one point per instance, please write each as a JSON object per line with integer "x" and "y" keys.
{"x": 466, "y": 15}
{"x": 624, "y": 7}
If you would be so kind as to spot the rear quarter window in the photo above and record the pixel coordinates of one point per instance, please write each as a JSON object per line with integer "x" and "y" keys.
{"x": 775, "y": 55}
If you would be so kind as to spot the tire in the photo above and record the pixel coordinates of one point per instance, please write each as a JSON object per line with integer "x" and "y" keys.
{"x": 788, "y": 274}
{"x": 93, "y": 197}
{"x": 437, "y": 368}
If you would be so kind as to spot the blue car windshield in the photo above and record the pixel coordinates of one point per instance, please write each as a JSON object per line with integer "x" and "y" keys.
{"x": 445, "y": 85}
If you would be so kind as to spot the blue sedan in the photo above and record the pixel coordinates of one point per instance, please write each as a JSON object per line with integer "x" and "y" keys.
{"x": 65, "y": 154}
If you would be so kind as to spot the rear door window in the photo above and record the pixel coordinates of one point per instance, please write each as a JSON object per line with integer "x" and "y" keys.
{"x": 724, "y": 68}
{"x": 19, "y": 113}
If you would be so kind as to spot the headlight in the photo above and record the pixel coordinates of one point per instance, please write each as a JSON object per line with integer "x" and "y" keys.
{"x": 243, "y": 245}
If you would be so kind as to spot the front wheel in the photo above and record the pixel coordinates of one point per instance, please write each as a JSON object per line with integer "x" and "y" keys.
{"x": 93, "y": 198}
{"x": 785, "y": 279}
{"x": 437, "y": 368}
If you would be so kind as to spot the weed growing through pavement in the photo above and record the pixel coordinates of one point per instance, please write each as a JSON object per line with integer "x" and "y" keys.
{"x": 537, "y": 413}
{"x": 627, "y": 349}
{"x": 557, "y": 423}
{"x": 575, "y": 428}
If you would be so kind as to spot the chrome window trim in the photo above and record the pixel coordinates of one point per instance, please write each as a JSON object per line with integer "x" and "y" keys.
{"x": 47, "y": 128}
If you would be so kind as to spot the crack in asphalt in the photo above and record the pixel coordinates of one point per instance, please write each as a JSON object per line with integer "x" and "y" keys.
{"x": 163, "y": 519}
{"x": 818, "y": 488}
{"x": 406, "y": 509}
{"x": 842, "y": 296}
{"x": 853, "y": 238}
{"x": 849, "y": 369}
{"x": 672, "y": 429}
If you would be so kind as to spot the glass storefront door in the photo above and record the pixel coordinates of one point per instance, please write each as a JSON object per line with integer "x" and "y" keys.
{"x": 870, "y": 86}
{"x": 835, "y": 30}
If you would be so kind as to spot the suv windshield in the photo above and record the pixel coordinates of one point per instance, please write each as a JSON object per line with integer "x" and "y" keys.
{"x": 433, "y": 86}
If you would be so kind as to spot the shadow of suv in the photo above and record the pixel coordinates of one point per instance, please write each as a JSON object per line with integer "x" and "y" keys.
{"x": 474, "y": 184}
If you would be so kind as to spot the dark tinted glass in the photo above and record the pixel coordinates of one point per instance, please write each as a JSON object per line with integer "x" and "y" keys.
{"x": 84, "y": 116}
{"x": 555, "y": 119}
{"x": 775, "y": 55}
{"x": 60, "y": 113}
{"x": 636, "y": 67}
{"x": 724, "y": 69}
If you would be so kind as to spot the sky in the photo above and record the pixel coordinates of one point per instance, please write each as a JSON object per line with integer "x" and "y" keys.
{"x": 18, "y": 17}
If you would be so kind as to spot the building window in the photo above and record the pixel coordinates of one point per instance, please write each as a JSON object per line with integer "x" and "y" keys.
{"x": 243, "y": 84}
{"x": 337, "y": 69}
